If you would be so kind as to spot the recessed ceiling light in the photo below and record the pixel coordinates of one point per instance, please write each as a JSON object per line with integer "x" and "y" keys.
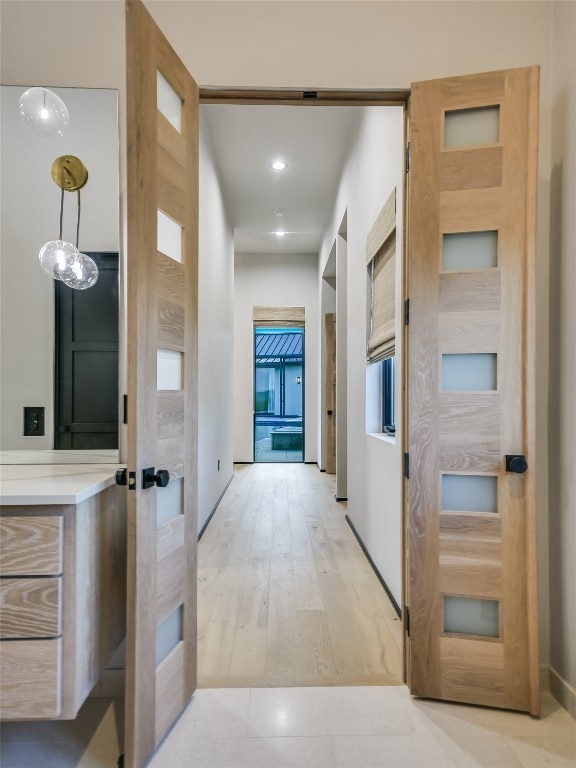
{"x": 279, "y": 233}
{"x": 279, "y": 165}
{"x": 279, "y": 212}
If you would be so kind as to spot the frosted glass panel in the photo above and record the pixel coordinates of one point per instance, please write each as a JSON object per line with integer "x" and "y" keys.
{"x": 169, "y": 237}
{"x": 471, "y": 616}
{"x": 168, "y": 102}
{"x": 169, "y": 502}
{"x": 168, "y": 369}
{"x": 470, "y": 493}
{"x": 471, "y": 127}
{"x": 169, "y": 634}
{"x": 469, "y": 373}
{"x": 470, "y": 250}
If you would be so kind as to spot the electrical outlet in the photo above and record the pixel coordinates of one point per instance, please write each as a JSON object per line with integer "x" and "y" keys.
{"x": 33, "y": 421}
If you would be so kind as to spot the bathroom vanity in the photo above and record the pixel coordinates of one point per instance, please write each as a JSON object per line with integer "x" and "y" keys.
{"x": 62, "y": 585}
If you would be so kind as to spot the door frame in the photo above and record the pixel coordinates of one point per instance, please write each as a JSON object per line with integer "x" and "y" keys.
{"x": 303, "y": 392}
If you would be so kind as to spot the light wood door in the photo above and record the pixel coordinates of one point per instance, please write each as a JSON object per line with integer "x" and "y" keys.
{"x": 330, "y": 391}
{"x": 471, "y": 526}
{"x": 162, "y": 131}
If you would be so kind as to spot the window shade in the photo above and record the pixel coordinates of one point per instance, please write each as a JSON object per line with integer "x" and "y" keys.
{"x": 292, "y": 317}
{"x": 381, "y": 264}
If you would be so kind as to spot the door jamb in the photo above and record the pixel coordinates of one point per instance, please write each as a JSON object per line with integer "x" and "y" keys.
{"x": 335, "y": 97}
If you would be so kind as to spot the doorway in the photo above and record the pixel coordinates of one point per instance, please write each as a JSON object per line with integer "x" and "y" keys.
{"x": 278, "y": 395}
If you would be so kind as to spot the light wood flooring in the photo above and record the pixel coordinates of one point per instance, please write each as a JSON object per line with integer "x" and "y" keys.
{"x": 285, "y": 595}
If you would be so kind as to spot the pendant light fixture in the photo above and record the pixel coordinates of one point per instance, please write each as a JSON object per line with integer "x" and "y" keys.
{"x": 59, "y": 258}
{"x": 43, "y": 112}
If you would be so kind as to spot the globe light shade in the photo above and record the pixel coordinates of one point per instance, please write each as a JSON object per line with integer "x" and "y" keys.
{"x": 43, "y": 112}
{"x": 56, "y": 256}
{"x": 82, "y": 272}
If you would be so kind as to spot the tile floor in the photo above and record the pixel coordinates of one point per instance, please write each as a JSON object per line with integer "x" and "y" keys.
{"x": 370, "y": 727}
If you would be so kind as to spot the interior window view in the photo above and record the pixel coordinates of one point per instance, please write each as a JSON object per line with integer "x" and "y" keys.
{"x": 278, "y": 394}
{"x": 279, "y": 484}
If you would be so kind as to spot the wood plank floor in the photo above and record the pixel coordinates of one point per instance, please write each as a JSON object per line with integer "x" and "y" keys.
{"x": 285, "y": 595}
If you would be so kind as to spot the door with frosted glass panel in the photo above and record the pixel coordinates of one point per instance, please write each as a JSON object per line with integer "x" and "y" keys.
{"x": 162, "y": 201}
{"x": 471, "y": 441}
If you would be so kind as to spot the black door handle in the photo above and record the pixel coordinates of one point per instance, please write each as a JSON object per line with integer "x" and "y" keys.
{"x": 151, "y": 478}
{"x": 121, "y": 477}
{"x": 515, "y": 462}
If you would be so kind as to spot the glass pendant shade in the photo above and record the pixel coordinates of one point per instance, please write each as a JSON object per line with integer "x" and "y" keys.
{"x": 82, "y": 272}
{"x": 43, "y": 112}
{"x": 56, "y": 257}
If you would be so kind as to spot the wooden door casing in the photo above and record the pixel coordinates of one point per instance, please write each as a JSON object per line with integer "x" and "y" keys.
{"x": 330, "y": 392}
{"x": 162, "y": 425}
{"x": 485, "y": 555}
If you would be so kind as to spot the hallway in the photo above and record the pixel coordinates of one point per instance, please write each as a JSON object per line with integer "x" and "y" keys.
{"x": 285, "y": 595}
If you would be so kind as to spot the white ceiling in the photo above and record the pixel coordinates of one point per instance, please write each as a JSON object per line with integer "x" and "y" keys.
{"x": 312, "y": 140}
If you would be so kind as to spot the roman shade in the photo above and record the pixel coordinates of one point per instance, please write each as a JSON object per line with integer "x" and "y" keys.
{"x": 292, "y": 317}
{"x": 381, "y": 266}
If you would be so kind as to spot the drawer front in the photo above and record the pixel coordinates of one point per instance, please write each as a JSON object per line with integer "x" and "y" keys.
{"x": 30, "y": 671}
{"x": 30, "y": 546}
{"x": 30, "y": 607}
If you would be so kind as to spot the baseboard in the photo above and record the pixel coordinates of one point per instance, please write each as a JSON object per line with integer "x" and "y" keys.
{"x": 211, "y": 515}
{"x": 374, "y": 566}
{"x": 562, "y": 691}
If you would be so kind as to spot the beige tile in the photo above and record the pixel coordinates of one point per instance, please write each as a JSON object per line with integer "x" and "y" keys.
{"x": 307, "y": 752}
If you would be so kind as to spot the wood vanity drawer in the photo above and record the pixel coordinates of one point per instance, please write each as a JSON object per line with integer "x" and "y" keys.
{"x": 31, "y": 679}
{"x": 30, "y": 607}
{"x": 30, "y": 545}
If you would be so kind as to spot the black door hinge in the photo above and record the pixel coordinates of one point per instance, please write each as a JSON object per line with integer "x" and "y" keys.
{"x": 407, "y": 466}
{"x": 125, "y": 409}
{"x": 408, "y": 157}
{"x": 407, "y": 620}
{"x": 407, "y": 312}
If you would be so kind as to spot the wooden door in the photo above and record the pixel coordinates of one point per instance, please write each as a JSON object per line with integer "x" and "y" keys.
{"x": 471, "y": 526}
{"x": 330, "y": 391}
{"x": 162, "y": 133}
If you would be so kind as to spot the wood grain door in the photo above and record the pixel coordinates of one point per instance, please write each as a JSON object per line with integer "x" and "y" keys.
{"x": 330, "y": 392}
{"x": 162, "y": 133}
{"x": 471, "y": 524}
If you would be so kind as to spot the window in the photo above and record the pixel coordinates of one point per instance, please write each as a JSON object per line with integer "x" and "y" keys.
{"x": 388, "y": 397}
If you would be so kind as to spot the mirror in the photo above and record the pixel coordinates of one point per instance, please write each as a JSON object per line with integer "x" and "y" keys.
{"x": 30, "y": 213}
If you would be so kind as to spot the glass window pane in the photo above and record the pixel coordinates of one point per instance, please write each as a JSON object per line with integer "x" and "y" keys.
{"x": 168, "y": 370}
{"x": 169, "y": 237}
{"x": 470, "y": 493}
{"x": 469, "y": 373}
{"x": 471, "y": 127}
{"x": 169, "y": 634}
{"x": 470, "y": 250}
{"x": 471, "y": 616}
{"x": 168, "y": 102}
{"x": 169, "y": 502}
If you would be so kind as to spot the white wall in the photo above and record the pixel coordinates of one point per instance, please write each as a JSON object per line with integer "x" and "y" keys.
{"x": 30, "y": 210}
{"x": 374, "y": 168}
{"x": 285, "y": 280}
{"x": 215, "y": 337}
{"x": 563, "y": 356}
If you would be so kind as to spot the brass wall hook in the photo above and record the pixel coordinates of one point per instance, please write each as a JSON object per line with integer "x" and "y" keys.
{"x": 69, "y": 173}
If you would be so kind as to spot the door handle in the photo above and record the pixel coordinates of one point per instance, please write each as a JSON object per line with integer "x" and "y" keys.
{"x": 517, "y": 463}
{"x": 121, "y": 477}
{"x": 150, "y": 478}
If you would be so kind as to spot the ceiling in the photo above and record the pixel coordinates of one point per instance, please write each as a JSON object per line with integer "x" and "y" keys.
{"x": 313, "y": 141}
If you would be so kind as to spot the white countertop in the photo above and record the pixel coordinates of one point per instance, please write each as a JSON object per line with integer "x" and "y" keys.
{"x": 53, "y": 483}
